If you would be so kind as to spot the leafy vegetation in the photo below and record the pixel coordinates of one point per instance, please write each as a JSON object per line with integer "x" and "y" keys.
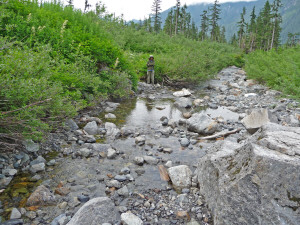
{"x": 277, "y": 69}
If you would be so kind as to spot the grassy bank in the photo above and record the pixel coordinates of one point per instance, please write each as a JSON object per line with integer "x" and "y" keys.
{"x": 278, "y": 69}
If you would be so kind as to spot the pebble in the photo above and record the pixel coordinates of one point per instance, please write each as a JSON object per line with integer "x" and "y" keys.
{"x": 111, "y": 153}
{"x": 15, "y": 214}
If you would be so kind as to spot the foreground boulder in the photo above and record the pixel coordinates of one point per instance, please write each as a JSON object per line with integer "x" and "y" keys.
{"x": 96, "y": 211}
{"x": 201, "y": 123}
{"x": 254, "y": 183}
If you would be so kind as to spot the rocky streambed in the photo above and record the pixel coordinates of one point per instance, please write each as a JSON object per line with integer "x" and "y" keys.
{"x": 226, "y": 152}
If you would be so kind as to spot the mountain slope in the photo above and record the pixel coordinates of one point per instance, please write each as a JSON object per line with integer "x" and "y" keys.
{"x": 230, "y": 15}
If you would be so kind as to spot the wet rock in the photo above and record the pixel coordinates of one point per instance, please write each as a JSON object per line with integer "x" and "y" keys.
{"x": 139, "y": 161}
{"x": 38, "y": 160}
{"x": 150, "y": 160}
{"x": 91, "y": 128}
{"x": 183, "y": 93}
{"x": 113, "y": 105}
{"x": 140, "y": 140}
{"x": 166, "y": 131}
{"x": 172, "y": 123}
{"x": 198, "y": 102}
{"x": 169, "y": 164}
{"x": 110, "y": 116}
{"x": 187, "y": 115}
{"x": 83, "y": 198}
{"x": 167, "y": 150}
{"x": 123, "y": 191}
{"x": 120, "y": 178}
{"x": 4, "y": 182}
{"x": 96, "y": 211}
{"x": 125, "y": 132}
{"x": 111, "y": 153}
{"x": 41, "y": 197}
{"x": 15, "y": 214}
{"x": 125, "y": 170}
{"x": 37, "y": 167}
{"x": 113, "y": 183}
{"x": 35, "y": 178}
{"x": 62, "y": 191}
{"x": 60, "y": 220}
{"x": 71, "y": 125}
{"x": 112, "y": 130}
{"x": 13, "y": 222}
{"x": 100, "y": 147}
{"x": 256, "y": 182}
{"x": 130, "y": 219}
{"x": 9, "y": 172}
{"x": 202, "y": 124}
{"x": 85, "y": 152}
{"x": 165, "y": 121}
{"x": 30, "y": 146}
{"x": 184, "y": 142}
{"x": 51, "y": 162}
{"x": 183, "y": 103}
{"x": 181, "y": 176}
{"x": 256, "y": 119}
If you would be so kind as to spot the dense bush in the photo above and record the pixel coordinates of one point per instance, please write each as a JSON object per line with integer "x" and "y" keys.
{"x": 279, "y": 69}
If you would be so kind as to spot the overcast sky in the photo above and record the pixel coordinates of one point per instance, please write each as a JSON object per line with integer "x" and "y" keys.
{"x": 138, "y": 9}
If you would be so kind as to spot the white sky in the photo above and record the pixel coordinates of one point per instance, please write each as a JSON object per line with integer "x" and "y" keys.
{"x": 138, "y": 9}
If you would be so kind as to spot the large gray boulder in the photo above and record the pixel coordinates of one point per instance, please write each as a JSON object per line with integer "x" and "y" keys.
{"x": 96, "y": 211}
{"x": 254, "y": 183}
{"x": 203, "y": 124}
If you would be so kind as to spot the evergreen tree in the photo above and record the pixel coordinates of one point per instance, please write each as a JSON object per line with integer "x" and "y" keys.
{"x": 264, "y": 27}
{"x": 233, "y": 40}
{"x": 156, "y": 9}
{"x": 242, "y": 29}
{"x": 168, "y": 27}
{"x": 293, "y": 39}
{"x": 252, "y": 29}
{"x": 204, "y": 25}
{"x": 177, "y": 12}
{"x": 276, "y": 23}
{"x": 222, "y": 35}
{"x": 194, "y": 31}
{"x": 214, "y": 18}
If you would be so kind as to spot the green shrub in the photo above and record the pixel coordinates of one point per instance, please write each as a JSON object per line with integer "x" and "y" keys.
{"x": 279, "y": 69}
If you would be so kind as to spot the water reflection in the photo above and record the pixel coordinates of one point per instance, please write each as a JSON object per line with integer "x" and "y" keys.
{"x": 148, "y": 113}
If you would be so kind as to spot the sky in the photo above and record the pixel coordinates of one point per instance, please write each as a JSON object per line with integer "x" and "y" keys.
{"x": 138, "y": 9}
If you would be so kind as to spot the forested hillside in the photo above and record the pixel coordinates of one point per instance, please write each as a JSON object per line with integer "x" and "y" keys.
{"x": 56, "y": 60}
{"x": 230, "y": 15}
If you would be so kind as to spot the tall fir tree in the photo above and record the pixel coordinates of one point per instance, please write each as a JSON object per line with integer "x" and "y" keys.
{"x": 204, "y": 25}
{"x": 264, "y": 27}
{"x": 156, "y": 9}
{"x": 252, "y": 30}
{"x": 177, "y": 12}
{"x": 276, "y": 17}
{"x": 242, "y": 29}
{"x": 214, "y": 18}
{"x": 70, "y": 3}
{"x": 169, "y": 25}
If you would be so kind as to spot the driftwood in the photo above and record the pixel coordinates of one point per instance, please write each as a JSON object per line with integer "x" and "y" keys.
{"x": 27, "y": 106}
{"x": 220, "y": 134}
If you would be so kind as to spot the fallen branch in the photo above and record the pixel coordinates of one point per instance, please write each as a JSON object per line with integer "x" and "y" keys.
{"x": 220, "y": 134}
{"x": 27, "y": 106}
